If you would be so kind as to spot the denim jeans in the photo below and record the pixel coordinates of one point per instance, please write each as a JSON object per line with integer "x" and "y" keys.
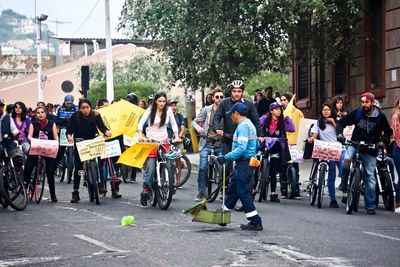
{"x": 203, "y": 166}
{"x": 368, "y": 173}
{"x": 149, "y": 171}
{"x": 340, "y": 163}
{"x": 331, "y": 179}
{"x": 240, "y": 188}
{"x": 396, "y": 159}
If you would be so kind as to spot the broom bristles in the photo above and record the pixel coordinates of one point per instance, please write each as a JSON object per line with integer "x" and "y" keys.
{"x": 195, "y": 207}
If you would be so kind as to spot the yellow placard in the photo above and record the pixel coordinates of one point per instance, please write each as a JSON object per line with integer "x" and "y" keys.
{"x": 121, "y": 117}
{"x": 136, "y": 155}
{"x": 90, "y": 149}
{"x": 289, "y": 108}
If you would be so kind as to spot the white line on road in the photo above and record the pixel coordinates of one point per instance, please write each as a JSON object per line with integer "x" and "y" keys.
{"x": 383, "y": 236}
{"x": 31, "y": 261}
{"x": 100, "y": 244}
{"x": 88, "y": 211}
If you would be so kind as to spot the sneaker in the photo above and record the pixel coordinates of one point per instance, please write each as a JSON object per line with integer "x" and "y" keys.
{"x": 199, "y": 197}
{"x": 284, "y": 196}
{"x": 371, "y": 212}
{"x": 397, "y": 208}
{"x": 251, "y": 227}
{"x": 144, "y": 197}
{"x": 75, "y": 197}
{"x": 274, "y": 198}
{"x": 333, "y": 204}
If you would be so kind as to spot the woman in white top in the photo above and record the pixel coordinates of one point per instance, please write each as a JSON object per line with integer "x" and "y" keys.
{"x": 157, "y": 116}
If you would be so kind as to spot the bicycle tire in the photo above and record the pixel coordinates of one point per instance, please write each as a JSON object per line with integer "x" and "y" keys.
{"x": 94, "y": 180}
{"x": 187, "y": 166}
{"x": 291, "y": 181}
{"x": 3, "y": 202}
{"x": 13, "y": 188}
{"x": 321, "y": 184}
{"x": 352, "y": 197}
{"x": 31, "y": 188}
{"x": 264, "y": 182}
{"x": 165, "y": 187}
{"x": 388, "y": 192}
{"x": 314, "y": 187}
{"x": 70, "y": 164}
{"x": 40, "y": 180}
{"x": 213, "y": 179}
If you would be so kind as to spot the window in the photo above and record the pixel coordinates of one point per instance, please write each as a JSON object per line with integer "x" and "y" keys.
{"x": 340, "y": 77}
{"x": 303, "y": 80}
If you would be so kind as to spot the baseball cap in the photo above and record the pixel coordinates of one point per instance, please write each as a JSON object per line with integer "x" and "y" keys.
{"x": 69, "y": 98}
{"x": 274, "y": 105}
{"x": 172, "y": 101}
{"x": 239, "y": 107}
{"x": 368, "y": 96}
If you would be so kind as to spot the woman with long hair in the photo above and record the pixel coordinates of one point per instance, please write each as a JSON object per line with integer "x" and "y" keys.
{"x": 339, "y": 109}
{"x": 22, "y": 122}
{"x": 396, "y": 149}
{"x": 42, "y": 128}
{"x": 84, "y": 124}
{"x": 157, "y": 116}
{"x": 325, "y": 130}
{"x": 275, "y": 125}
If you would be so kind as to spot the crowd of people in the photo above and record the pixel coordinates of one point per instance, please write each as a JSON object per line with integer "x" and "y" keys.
{"x": 231, "y": 126}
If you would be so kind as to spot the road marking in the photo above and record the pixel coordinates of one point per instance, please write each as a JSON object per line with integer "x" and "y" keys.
{"x": 100, "y": 244}
{"x": 31, "y": 261}
{"x": 85, "y": 210}
{"x": 383, "y": 236}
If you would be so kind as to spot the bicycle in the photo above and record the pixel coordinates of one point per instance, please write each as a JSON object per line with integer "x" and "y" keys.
{"x": 318, "y": 177}
{"x": 183, "y": 167}
{"x": 109, "y": 172}
{"x": 66, "y": 166}
{"x": 12, "y": 188}
{"x": 356, "y": 180}
{"x": 37, "y": 183}
{"x": 384, "y": 181}
{"x": 213, "y": 175}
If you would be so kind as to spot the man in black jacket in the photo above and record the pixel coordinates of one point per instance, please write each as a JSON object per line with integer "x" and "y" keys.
{"x": 223, "y": 124}
{"x": 369, "y": 123}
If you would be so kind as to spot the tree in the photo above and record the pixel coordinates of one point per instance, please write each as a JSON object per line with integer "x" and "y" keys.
{"x": 278, "y": 81}
{"x": 211, "y": 42}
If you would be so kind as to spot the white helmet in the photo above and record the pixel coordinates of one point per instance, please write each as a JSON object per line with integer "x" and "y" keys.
{"x": 237, "y": 84}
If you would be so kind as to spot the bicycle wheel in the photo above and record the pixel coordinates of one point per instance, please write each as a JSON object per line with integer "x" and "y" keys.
{"x": 12, "y": 188}
{"x": 3, "y": 202}
{"x": 314, "y": 187}
{"x": 353, "y": 195}
{"x": 40, "y": 180}
{"x": 264, "y": 181}
{"x": 164, "y": 187}
{"x": 291, "y": 181}
{"x": 186, "y": 170}
{"x": 212, "y": 181}
{"x": 70, "y": 164}
{"x": 321, "y": 184}
{"x": 388, "y": 191}
{"x": 31, "y": 186}
{"x": 94, "y": 179}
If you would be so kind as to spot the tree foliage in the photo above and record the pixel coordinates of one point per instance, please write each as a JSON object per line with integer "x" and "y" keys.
{"x": 211, "y": 42}
{"x": 278, "y": 81}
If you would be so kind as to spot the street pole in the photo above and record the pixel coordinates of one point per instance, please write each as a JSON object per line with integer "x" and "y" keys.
{"x": 109, "y": 66}
{"x": 39, "y": 60}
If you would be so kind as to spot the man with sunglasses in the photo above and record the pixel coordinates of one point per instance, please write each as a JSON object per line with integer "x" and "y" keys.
{"x": 369, "y": 123}
{"x": 209, "y": 139}
{"x": 223, "y": 124}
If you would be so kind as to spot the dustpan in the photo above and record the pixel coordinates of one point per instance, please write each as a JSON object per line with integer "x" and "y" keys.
{"x": 203, "y": 215}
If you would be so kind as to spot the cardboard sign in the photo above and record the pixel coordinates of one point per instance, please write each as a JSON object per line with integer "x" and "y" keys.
{"x": 129, "y": 141}
{"x": 91, "y": 149}
{"x": 327, "y": 150}
{"x": 44, "y": 148}
{"x": 136, "y": 155}
{"x": 348, "y": 132}
{"x": 63, "y": 138}
{"x": 304, "y": 126}
{"x": 113, "y": 149}
{"x": 295, "y": 154}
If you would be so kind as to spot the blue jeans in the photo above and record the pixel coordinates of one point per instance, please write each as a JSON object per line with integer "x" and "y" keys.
{"x": 368, "y": 173}
{"x": 396, "y": 159}
{"x": 340, "y": 163}
{"x": 331, "y": 179}
{"x": 240, "y": 187}
{"x": 203, "y": 164}
{"x": 149, "y": 171}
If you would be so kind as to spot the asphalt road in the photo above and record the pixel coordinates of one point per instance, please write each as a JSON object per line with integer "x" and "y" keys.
{"x": 295, "y": 234}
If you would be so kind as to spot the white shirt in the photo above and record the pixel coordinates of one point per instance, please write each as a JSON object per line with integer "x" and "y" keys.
{"x": 155, "y": 132}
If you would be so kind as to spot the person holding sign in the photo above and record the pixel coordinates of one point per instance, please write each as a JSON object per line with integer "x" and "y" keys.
{"x": 44, "y": 129}
{"x": 83, "y": 125}
{"x": 325, "y": 130}
{"x": 158, "y": 116}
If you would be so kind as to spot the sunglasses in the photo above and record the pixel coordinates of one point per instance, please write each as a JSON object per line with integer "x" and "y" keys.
{"x": 218, "y": 96}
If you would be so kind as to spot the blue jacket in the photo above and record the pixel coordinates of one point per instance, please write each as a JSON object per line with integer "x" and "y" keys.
{"x": 245, "y": 142}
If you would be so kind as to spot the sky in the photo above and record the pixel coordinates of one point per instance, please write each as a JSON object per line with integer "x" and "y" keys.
{"x": 74, "y": 12}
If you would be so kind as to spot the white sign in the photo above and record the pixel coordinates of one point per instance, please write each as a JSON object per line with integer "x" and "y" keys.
{"x": 113, "y": 149}
{"x": 129, "y": 141}
{"x": 327, "y": 150}
{"x": 394, "y": 75}
{"x": 304, "y": 126}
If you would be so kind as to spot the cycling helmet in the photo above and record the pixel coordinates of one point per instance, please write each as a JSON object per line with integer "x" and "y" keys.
{"x": 237, "y": 84}
{"x": 173, "y": 154}
{"x": 151, "y": 97}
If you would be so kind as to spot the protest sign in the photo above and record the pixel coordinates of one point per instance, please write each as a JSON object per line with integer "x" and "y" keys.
{"x": 90, "y": 149}
{"x": 129, "y": 141}
{"x": 64, "y": 139}
{"x": 113, "y": 149}
{"x": 136, "y": 155}
{"x": 348, "y": 132}
{"x": 327, "y": 150}
{"x": 45, "y": 148}
{"x": 304, "y": 126}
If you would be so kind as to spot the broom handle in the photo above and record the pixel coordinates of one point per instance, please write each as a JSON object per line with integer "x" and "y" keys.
{"x": 223, "y": 193}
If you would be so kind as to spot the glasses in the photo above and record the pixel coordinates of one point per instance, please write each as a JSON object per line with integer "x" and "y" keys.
{"x": 218, "y": 96}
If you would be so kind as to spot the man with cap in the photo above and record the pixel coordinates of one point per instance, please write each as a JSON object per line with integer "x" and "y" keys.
{"x": 369, "y": 123}
{"x": 244, "y": 147}
{"x": 62, "y": 121}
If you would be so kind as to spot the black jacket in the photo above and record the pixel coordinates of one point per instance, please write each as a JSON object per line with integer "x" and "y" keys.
{"x": 229, "y": 127}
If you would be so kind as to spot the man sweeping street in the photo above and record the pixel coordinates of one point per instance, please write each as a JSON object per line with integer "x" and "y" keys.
{"x": 244, "y": 147}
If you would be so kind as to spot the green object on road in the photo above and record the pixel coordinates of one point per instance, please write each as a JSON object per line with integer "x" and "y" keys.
{"x": 128, "y": 220}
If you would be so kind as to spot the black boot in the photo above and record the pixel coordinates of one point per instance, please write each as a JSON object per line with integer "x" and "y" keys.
{"x": 53, "y": 196}
{"x": 75, "y": 197}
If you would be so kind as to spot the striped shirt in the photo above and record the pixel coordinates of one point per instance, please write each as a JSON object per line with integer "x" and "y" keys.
{"x": 245, "y": 141}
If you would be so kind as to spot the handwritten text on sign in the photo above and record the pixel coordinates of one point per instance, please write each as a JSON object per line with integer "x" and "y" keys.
{"x": 327, "y": 150}
{"x": 45, "y": 148}
{"x": 90, "y": 149}
{"x": 63, "y": 138}
{"x": 113, "y": 149}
